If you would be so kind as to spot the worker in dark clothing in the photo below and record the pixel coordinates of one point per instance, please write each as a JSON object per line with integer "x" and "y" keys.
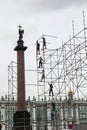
{"x": 52, "y": 115}
{"x": 43, "y": 75}
{"x": 37, "y": 47}
{"x": 53, "y": 104}
{"x": 51, "y": 89}
{"x": 40, "y": 62}
{"x": 44, "y": 43}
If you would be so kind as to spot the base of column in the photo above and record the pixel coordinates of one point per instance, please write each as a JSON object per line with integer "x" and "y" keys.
{"x": 21, "y": 120}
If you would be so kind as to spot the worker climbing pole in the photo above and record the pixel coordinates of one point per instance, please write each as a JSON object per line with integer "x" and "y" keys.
{"x": 37, "y": 48}
{"x": 51, "y": 89}
{"x": 44, "y": 43}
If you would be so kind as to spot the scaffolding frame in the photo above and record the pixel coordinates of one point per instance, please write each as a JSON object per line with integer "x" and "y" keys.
{"x": 64, "y": 67}
{"x": 12, "y": 93}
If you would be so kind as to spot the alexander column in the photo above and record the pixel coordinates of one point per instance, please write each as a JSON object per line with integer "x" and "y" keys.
{"x": 21, "y": 119}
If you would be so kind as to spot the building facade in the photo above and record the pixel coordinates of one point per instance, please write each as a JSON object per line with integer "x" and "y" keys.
{"x": 45, "y": 116}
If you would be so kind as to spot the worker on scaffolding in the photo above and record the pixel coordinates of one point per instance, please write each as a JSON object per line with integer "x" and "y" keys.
{"x": 43, "y": 75}
{"x": 37, "y": 47}
{"x": 44, "y": 43}
{"x": 40, "y": 62}
{"x": 51, "y": 89}
{"x": 52, "y": 115}
{"x": 53, "y": 104}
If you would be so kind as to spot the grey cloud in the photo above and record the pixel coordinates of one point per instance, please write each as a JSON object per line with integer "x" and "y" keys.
{"x": 47, "y": 5}
{"x": 59, "y": 4}
{"x": 33, "y": 6}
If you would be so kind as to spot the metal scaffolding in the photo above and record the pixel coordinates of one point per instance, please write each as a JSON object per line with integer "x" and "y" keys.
{"x": 12, "y": 80}
{"x": 65, "y": 67}
{"x": 12, "y": 93}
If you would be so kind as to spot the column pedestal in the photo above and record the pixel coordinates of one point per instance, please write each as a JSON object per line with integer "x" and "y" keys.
{"x": 21, "y": 120}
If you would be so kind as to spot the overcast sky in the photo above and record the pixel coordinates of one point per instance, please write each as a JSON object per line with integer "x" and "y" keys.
{"x": 53, "y": 17}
